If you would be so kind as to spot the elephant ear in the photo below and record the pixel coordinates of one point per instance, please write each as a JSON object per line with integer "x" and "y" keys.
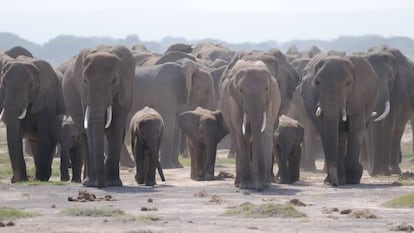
{"x": 365, "y": 84}
{"x": 189, "y": 68}
{"x": 126, "y": 73}
{"x": 189, "y": 123}
{"x": 48, "y": 86}
{"x": 222, "y": 130}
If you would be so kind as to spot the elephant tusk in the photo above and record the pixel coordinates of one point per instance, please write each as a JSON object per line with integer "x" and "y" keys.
{"x": 23, "y": 114}
{"x": 343, "y": 114}
{"x": 109, "y": 117}
{"x": 373, "y": 114}
{"x": 86, "y": 120}
{"x": 263, "y": 123}
{"x": 244, "y": 124}
{"x": 2, "y": 114}
{"x": 385, "y": 113}
{"x": 318, "y": 111}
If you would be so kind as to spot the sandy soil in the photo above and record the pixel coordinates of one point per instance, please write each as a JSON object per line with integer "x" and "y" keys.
{"x": 178, "y": 208}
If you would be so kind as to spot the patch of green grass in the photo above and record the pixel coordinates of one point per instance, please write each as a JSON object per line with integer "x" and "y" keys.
{"x": 7, "y": 213}
{"x": 184, "y": 161}
{"x": 268, "y": 210}
{"x": 408, "y": 156}
{"x": 95, "y": 212}
{"x": 404, "y": 201}
{"x": 42, "y": 183}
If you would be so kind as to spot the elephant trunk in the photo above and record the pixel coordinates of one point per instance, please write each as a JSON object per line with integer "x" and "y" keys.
{"x": 284, "y": 170}
{"x": 15, "y": 146}
{"x": 330, "y": 137}
{"x": 95, "y": 126}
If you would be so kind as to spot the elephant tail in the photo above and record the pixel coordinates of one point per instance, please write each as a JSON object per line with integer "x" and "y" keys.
{"x": 160, "y": 171}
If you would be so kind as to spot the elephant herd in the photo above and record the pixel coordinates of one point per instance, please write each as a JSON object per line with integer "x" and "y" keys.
{"x": 273, "y": 107}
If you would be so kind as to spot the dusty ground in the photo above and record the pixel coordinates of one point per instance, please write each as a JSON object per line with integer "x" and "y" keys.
{"x": 183, "y": 205}
{"x": 178, "y": 208}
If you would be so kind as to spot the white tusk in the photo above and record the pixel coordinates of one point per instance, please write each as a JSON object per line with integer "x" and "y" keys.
{"x": 318, "y": 111}
{"x": 86, "y": 120}
{"x": 1, "y": 114}
{"x": 343, "y": 114}
{"x": 23, "y": 115}
{"x": 109, "y": 117}
{"x": 244, "y": 124}
{"x": 373, "y": 114}
{"x": 385, "y": 113}
{"x": 263, "y": 123}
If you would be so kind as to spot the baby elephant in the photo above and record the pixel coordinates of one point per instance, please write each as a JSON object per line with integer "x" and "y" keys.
{"x": 146, "y": 130}
{"x": 287, "y": 140}
{"x": 204, "y": 129}
{"x": 73, "y": 147}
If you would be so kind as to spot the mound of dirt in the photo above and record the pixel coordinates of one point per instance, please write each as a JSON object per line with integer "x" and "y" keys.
{"x": 84, "y": 196}
{"x": 403, "y": 227}
{"x": 364, "y": 213}
{"x": 297, "y": 202}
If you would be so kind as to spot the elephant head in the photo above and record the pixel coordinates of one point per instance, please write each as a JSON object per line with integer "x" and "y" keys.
{"x": 106, "y": 87}
{"x": 287, "y": 142}
{"x": 334, "y": 90}
{"x": 204, "y": 130}
{"x": 200, "y": 86}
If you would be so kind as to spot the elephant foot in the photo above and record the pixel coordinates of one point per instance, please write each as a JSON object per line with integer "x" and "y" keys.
{"x": 89, "y": 183}
{"x": 64, "y": 178}
{"x": 210, "y": 177}
{"x": 380, "y": 172}
{"x": 332, "y": 182}
{"x": 150, "y": 183}
{"x": 113, "y": 182}
{"x": 76, "y": 180}
{"x": 15, "y": 179}
{"x": 139, "y": 180}
{"x": 246, "y": 185}
{"x": 395, "y": 169}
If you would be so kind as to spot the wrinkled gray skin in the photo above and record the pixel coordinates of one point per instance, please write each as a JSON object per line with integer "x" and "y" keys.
{"x": 287, "y": 142}
{"x": 250, "y": 100}
{"x": 339, "y": 95}
{"x": 396, "y": 75}
{"x": 73, "y": 147}
{"x": 170, "y": 89}
{"x": 30, "y": 97}
{"x": 101, "y": 80}
{"x": 146, "y": 130}
{"x": 204, "y": 129}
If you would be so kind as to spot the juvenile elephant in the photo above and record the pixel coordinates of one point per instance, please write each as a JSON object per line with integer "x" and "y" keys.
{"x": 170, "y": 89}
{"x": 97, "y": 89}
{"x": 30, "y": 99}
{"x": 339, "y": 95}
{"x": 287, "y": 142}
{"x": 250, "y": 103}
{"x": 73, "y": 147}
{"x": 146, "y": 129}
{"x": 204, "y": 129}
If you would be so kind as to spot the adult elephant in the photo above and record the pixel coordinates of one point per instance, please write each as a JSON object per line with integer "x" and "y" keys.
{"x": 18, "y": 51}
{"x": 30, "y": 99}
{"x": 97, "y": 89}
{"x": 211, "y": 52}
{"x": 339, "y": 95}
{"x": 396, "y": 75}
{"x": 170, "y": 89}
{"x": 249, "y": 101}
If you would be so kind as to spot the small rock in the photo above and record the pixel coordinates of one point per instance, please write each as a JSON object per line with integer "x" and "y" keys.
{"x": 216, "y": 199}
{"x": 152, "y": 209}
{"x": 347, "y": 211}
{"x": 396, "y": 183}
{"x": 71, "y": 199}
{"x": 332, "y": 217}
{"x": 253, "y": 228}
{"x": 105, "y": 220}
{"x": 403, "y": 227}
{"x": 10, "y": 224}
{"x": 296, "y": 202}
{"x": 53, "y": 206}
{"x": 223, "y": 175}
{"x": 246, "y": 192}
{"x": 150, "y": 200}
{"x": 329, "y": 210}
{"x": 362, "y": 214}
{"x": 190, "y": 221}
{"x": 202, "y": 193}
{"x": 144, "y": 209}
{"x": 2, "y": 224}
{"x": 108, "y": 197}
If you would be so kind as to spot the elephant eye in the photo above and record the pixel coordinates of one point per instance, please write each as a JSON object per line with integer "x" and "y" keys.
{"x": 85, "y": 81}
{"x": 266, "y": 89}
{"x": 241, "y": 90}
{"x": 317, "y": 82}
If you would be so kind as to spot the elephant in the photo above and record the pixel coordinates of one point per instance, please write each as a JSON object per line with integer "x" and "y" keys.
{"x": 174, "y": 56}
{"x": 396, "y": 75}
{"x": 339, "y": 95}
{"x": 204, "y": 129}
{"x": 144, "y": 57}
{"x": 180, "y": 47}
{"x": 146, "y": 130}
{"x": 18, "y": 51}
{"x": 250, "y": 101}
{"x": 287, "y": 149}
{"x": 30, "y": 98}
{"x": 73, "y": 147}
{"x": 211, "y": 52}
{"x": 97, "y": 89}
{"x": 293, "y": 53}
{"x": 170, "y": 89}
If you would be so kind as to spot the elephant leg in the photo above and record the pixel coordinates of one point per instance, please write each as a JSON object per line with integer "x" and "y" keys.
{"x": 183, "y": 146}
{"x": 309, "y": 148}
{"x": 294, "y": 163}
{"x": 383, "y": 135}
{"x": 176, "y": 147}
{"x": 76, "y": 158}
{"x": 192, "y": 152}
{"x": 395, "y": 156}
{"x": 139, "y": 153}
{"x": 232, "y": 151}
{"x": 83, "y": 151}
{"x": 64, "y": 164}
{"x": 14, "y": 144}
{"x": 151, "y": 168}
{"x": 43, "y": 160}
{"x": 243, "y": 164}
{"x": 167, "y": 142}
{"x": 341, "y": 157}
{"x": 353, "y": 169}
{"x": 412, "y": 129}
{"x": 112, "y": 161}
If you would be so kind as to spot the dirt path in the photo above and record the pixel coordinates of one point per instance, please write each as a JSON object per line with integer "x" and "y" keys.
{"x": 178, "y": 209}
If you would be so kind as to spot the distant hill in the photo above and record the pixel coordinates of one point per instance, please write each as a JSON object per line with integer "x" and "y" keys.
{"x": 59, "y": 49}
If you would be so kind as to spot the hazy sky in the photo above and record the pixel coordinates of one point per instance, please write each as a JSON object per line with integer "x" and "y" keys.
{"x": 230, "y": 20}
